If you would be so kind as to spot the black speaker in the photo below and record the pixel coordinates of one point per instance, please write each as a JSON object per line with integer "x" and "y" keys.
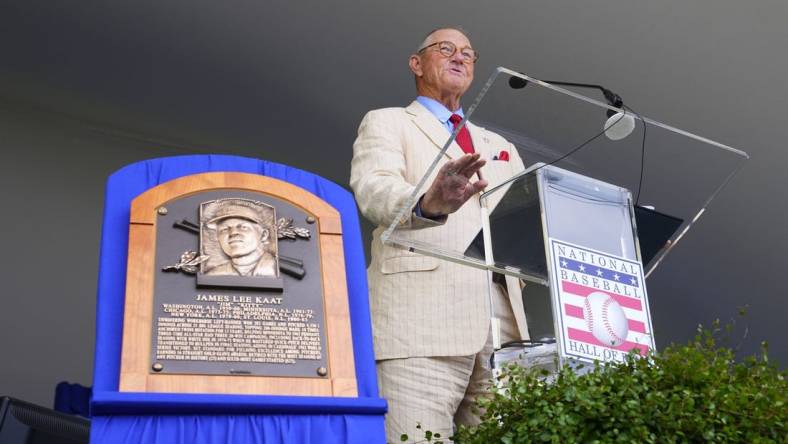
{"x": 25, "y": 423}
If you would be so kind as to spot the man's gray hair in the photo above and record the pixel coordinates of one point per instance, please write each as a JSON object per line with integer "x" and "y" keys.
{"x": 426, "y": 39}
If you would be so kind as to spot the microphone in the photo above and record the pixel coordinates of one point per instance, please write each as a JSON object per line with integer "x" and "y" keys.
{"x": 618, "y": 125}
{"x": 517, "y": 82}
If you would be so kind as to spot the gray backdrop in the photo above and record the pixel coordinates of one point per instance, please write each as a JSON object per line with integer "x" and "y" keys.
{"x": 87, "y": 87}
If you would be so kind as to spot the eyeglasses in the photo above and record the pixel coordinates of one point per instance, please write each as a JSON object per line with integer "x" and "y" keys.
{"x": 447, "y": 49}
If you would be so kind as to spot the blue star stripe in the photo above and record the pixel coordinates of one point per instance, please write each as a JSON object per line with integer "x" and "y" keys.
{"x": 593, "y": 270}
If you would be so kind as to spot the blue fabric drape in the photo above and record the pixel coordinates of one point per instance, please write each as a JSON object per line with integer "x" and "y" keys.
{"x": 174, "y": 418}
{"x": 205, "y": 429}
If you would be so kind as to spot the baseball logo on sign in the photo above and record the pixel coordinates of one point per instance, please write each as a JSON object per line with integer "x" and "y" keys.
{"x": 606, "y": 319}
{"x": 601, "y": 301}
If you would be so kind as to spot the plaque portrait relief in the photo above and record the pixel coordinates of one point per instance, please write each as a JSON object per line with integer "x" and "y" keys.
{"x": 239, "y": 238}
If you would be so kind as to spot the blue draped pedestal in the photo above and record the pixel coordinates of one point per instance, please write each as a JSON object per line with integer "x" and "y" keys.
{"x": 120, "y": 417}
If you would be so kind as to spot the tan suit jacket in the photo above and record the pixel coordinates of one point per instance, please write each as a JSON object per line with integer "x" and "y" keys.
{"x": 422, "y": 306}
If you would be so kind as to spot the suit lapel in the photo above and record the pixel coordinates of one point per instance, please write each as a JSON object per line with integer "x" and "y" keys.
{"x": 494, "y": 172}
{"x": 433, "y": 129}
{"x": 480, "y": 141}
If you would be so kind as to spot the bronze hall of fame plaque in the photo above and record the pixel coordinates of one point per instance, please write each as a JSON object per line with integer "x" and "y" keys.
{"x": 237, "y": 296}
{"x": 225, "y": 307}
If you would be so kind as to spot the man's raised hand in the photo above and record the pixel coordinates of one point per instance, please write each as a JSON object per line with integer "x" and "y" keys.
{"x": 453, "y": 187}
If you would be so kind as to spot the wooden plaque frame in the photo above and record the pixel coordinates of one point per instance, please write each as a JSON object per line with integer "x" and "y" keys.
{"x": 135, "y": 372}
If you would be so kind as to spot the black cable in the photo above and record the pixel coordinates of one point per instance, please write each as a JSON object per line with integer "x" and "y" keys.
{"x": 624, "y": 108}
{"x": 642, "y": 153}
{"x": 576, "y": 149}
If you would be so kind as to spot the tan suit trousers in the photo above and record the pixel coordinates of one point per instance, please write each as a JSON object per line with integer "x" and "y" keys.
{"x": 437, "y": 392}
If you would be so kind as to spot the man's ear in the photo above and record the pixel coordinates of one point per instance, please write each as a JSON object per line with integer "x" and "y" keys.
{"x": 415, "y": 65}
{"x": 264, "y": 235}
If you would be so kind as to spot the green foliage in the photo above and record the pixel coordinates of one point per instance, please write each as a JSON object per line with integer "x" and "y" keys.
{"x": 429, "y": 437}
{"x": 686, "y": 393}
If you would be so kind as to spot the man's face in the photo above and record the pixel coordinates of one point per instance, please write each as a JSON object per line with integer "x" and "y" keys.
{"x": 239, "y": 237}
{"x": 445, "y": 75}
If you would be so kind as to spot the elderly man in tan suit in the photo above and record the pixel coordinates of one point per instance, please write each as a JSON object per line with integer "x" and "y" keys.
{"x": 431, "y": 318}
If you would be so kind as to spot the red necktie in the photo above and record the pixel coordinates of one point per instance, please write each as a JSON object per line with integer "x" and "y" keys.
{"x": 463, "y": 137}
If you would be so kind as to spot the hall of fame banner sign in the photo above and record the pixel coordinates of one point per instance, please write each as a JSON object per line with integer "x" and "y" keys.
{"x": 601, "y": 304}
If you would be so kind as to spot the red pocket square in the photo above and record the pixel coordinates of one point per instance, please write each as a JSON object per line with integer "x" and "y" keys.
{"x": 503, "y": 155}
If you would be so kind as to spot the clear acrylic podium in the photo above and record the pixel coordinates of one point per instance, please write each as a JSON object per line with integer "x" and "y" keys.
{"x": 589, "y": 191}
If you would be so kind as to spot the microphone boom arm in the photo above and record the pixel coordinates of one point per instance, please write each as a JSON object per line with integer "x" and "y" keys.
{"x": 612, "y": 98}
